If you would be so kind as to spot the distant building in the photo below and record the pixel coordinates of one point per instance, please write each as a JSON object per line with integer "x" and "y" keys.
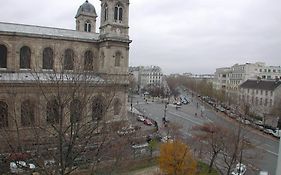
{"x": 229, "y": 78}
{"x": 260, "y": 95}
{"x": 148, "y": 75}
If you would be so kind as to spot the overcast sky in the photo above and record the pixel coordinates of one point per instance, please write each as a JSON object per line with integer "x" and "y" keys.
{"x": 195, "y": 36}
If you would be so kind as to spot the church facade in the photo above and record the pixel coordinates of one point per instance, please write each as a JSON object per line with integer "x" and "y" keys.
{"x": 89, "y": 70}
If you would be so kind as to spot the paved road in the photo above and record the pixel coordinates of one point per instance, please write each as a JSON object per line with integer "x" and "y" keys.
{"x": 266, "y": 146}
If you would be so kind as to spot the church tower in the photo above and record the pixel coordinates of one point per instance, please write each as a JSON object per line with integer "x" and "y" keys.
{"x": 114, "y": 19}
{"x": 114, "y": 37}
{"x": 86, "y": 18}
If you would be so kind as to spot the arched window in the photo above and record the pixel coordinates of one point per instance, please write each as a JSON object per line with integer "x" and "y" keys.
{"x": 117, "y": 106}
{"x": 117, "y": 59}
{"x": 105, "y": 12}
{"x": 25, "y": 57}
{"x": 98, "y": 108}
{"x": 68, "y": 63}
{"x": 87, "y": 27}
{"x": 3, "y": 56}
{"x": 3, "y": 114}
{"x": 102, "y": 57}
{"x": 75, "y": 111}
{"x": 48, "y": 58}
{"x": 88, "y": 60}
{"x": 52, "y": 112}
{"x": 118, "y": 13}
{"x": 27, "y": 113}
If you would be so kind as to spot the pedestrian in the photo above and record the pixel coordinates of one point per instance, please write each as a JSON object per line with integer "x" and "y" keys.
{"x": 156, "y": 125}
{"x": 195, "y": 114}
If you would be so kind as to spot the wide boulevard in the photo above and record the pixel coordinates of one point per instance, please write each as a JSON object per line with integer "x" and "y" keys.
{"x": 266, "y": 147}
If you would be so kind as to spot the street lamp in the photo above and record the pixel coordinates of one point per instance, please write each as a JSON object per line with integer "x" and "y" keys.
{"x": 165, "y": 112}
{"x": 278, "y": 169}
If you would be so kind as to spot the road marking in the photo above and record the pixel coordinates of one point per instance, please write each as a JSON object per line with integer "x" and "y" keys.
{"x": 260, "y": 147}
{"x": 185, "y": 118}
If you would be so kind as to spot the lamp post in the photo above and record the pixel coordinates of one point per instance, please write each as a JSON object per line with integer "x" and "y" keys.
{"x": 165, "y": 112}
{"x": 278, "y": 169}
{"x": 131, "y": 102}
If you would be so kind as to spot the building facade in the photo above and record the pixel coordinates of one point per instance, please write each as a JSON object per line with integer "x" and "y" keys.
{"x": 229, "y": 78}
{"x": 39, "y": 64}
{"x": 260, "y": 95}
{"x": 149, "y": 75}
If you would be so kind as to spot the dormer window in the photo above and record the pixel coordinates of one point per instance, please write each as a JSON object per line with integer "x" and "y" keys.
{"x": 118, "y": 13}
{"x": 87, "y": 27}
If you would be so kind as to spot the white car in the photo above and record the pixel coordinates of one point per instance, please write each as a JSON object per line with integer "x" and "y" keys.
{"x": 140, "y": 118}
{"x": 126, "y": 130}
{"x": 20, "y": 166}
{"x": 263, "y": 173}
{"x": 240, "y": 169}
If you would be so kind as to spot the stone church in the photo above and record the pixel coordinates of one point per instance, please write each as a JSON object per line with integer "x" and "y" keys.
{"x": 39, "y": 64}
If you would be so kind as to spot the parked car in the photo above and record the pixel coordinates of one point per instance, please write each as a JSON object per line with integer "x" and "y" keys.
{"x": 147, "y": 122}
{"x": 263, "y": 173}
{"x": 126, "y": 130}
{"x": 240, "y": 169}
{"x": 140, "y": 118}
{"x": 277, "y": 133}
{"x": 21, "y": 166}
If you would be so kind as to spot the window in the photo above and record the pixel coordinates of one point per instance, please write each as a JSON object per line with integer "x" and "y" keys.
{"x": 117, "y": 59}
{"x": 257, "y": 101}
{"x": 260, "y": 101}
{"x": 118, "y": 13}
{"x": 87, "y": 26}
{"x": 52, "y": 112}
{"x": 105, "y": 12}
{"x": 75, "y": 111}
{"x": 88, "y": 60}
{"x": 3, "y": 56}
{"x": 102, "y": 56}
{"x": 98, "y": 108}
{"x": 265, "y": 102}
{"x": 3, "y": 114}
{"x": 27, "y": 113}
{"x": 68, "y": 59}
{"x": 48, "y": 58}
{"x": 117, "y": 107}
{"x": 25, "y": 57}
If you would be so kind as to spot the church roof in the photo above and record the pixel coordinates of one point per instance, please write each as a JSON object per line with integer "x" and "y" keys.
{"x": 86, "y": 9}
{"x": 46, "y": 32}
{"x": 25, "y": 77}
{"x": 261, "y": 84}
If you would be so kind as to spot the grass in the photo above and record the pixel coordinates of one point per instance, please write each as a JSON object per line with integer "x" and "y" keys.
{"x": 203, "y": 169}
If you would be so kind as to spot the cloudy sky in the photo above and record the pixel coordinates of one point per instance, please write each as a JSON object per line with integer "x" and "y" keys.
{"x": 178, "y": 35}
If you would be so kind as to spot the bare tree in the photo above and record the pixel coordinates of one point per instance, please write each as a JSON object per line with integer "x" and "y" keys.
{"x": 214, "y": 137}
{"x": 68, "y": 121}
